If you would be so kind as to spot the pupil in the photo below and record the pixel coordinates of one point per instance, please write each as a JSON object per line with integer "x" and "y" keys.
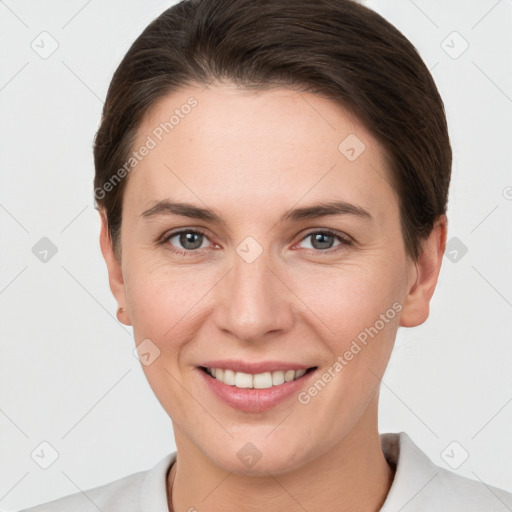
{"x": 319, "y": 241}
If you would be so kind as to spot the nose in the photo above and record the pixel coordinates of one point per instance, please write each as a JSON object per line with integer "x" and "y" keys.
{"x": 253, "y": 300}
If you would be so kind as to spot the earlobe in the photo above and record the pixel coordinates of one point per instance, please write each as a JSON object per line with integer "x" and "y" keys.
{"x": 114, "y": 268}
{"x": 417, "y": 302}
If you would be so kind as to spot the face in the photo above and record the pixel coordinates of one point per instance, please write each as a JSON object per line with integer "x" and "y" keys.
{"x": 284, "y": 253}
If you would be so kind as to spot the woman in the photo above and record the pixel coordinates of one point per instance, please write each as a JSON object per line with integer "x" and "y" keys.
{"x": 272, "y": 179}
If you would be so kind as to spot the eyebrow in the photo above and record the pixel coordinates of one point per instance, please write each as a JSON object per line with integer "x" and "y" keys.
{"x": 325, "y": 209}
{"x": 167, "y": 207}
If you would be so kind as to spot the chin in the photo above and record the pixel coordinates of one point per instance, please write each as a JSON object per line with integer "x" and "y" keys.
{"x": 258, "y": 457}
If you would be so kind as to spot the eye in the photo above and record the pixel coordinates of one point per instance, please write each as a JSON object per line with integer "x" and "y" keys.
{"x": 186, "y": 241}
{"x": 190, "y": 241}
{"x": 324, "y": 239}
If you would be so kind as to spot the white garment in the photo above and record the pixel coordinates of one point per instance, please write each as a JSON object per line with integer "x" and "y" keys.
{"x": 419, "y": 485}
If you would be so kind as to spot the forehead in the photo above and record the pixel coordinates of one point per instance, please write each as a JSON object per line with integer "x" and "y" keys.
{"x": 232, "y": 147}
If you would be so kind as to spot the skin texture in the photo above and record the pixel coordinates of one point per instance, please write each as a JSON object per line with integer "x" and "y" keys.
{"x": 251, "y": 155}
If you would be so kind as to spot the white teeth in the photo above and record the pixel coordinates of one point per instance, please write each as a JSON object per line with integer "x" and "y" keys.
{"x": 262, "y": 380}
{"x": 243, "y": 380}
{"x": 257, "y": 381}
{"x": 229, "y": 377}
{"x": 277, "y": 378}
{"x": 289, "y": 375}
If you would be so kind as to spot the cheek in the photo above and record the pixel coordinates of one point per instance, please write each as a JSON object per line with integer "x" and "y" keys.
{"x": 350, "y": 300}
{"x": 163, "y": 300}
{"x": 164, "y": 308}
{"x": 358, "y": 314}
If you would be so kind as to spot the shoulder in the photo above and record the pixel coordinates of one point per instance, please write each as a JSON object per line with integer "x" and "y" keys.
{"x": 128, "y": 494}
{"x": 121, "y": 494}
{"x": 472, "y": 495}
{"x": 421, "y": 485}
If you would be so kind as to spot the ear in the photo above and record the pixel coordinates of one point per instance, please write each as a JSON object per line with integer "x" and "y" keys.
{"x": 115, "y": 271}
{"x": 417, "y": 302}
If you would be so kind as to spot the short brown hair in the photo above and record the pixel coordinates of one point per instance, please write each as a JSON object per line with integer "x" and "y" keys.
{"x": 336, "y": 48}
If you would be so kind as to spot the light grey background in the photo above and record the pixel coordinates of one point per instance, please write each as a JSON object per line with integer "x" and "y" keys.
{"x": 68, "y": 374}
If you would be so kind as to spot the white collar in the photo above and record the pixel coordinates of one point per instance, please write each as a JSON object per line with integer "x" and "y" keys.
{"x": 418, "y": 484}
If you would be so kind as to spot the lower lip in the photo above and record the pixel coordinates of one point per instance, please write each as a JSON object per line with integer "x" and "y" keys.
{"x": 254, "y": 400}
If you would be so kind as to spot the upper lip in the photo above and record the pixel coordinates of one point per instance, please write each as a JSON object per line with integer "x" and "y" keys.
{"x": 254, "y": 367}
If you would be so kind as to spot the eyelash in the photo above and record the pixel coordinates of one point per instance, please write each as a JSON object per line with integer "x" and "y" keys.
{"x": 345, "y": 241}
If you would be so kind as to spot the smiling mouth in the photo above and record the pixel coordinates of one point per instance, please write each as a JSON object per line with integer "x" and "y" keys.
{"x": 255, "y": 381}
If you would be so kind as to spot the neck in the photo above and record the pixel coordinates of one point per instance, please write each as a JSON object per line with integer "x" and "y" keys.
{"x": 352, "y": 476}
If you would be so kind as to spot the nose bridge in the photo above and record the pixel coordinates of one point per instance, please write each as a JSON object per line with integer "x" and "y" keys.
{"x": 253, "y": 300}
